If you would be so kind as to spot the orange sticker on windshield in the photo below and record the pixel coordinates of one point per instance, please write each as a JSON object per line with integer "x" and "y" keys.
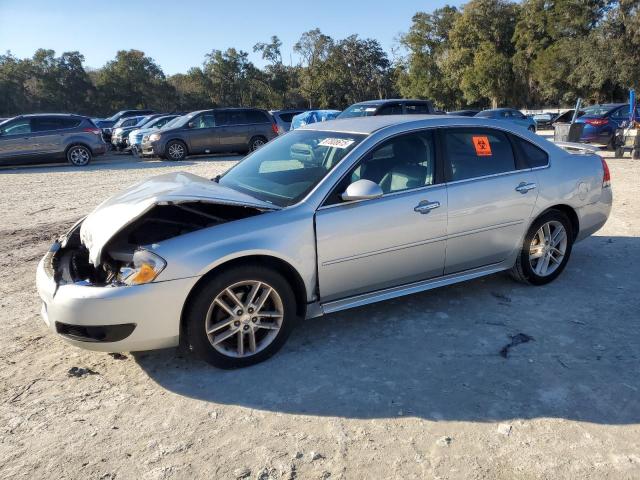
{"x": 482, "y": 146}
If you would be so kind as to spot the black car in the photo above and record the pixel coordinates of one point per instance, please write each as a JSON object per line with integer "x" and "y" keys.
{"x": 388, "y": 107}
{"x": 212, "y": 131}
{"x": 106, "y": 124}
{"x": 464, "y": 113}
{"x": 124, "y": 126}
{"x": 49, "y": 137}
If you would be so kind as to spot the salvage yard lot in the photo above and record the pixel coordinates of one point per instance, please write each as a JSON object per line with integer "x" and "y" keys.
{"x": 410, "y": 388}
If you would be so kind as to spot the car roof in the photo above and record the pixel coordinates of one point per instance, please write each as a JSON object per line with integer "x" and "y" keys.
{"x": 62, "y": 115}
{"x": 368, "y": 125}
{"x": 391, "y": 100}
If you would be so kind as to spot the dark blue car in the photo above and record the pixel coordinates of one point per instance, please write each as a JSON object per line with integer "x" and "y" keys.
{"x": 601, "y": 122}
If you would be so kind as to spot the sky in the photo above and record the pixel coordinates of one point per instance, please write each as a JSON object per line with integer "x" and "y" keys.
{"x": 178, "y": 33}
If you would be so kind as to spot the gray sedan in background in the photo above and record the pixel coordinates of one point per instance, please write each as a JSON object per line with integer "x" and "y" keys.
{"x": 328, "y": 217}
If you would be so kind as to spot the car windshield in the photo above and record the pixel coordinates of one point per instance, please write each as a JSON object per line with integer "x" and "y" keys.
{"x": 596, "y": 111}
{"x": 175, "y": 122}
{"x": 286, "y": 169}
{"x": 359, "y": 110}
{"x": 145, "y": 120}
{"x": 485, "y": 114}
{"x": 113, "y": 117}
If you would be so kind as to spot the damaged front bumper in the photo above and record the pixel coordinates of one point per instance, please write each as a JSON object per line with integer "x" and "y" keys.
{"x": 111, "y": 318}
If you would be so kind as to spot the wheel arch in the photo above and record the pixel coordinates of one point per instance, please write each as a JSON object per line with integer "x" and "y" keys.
{"x": 281, "y": 266}
{"x": 177, "y": 139}
{"x": 77, "y": 143}
{"x": 569, "y": 211}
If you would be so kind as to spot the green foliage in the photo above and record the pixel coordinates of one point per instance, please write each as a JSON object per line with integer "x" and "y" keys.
{"x": 486, "y": 53}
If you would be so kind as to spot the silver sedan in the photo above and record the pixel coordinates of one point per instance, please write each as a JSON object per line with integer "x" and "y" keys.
{"x": 332, "y": 216}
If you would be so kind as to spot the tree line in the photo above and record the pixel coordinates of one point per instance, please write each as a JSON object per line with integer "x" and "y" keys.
{"x": 485, "y": 53}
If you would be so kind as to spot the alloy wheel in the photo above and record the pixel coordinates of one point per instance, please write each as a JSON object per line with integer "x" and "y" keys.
{"x": 176, "y": 151}
{"x": 244, "y": 318}
{"x": 548, "y": 248}
{"x": 256, "y": 144}
{"x": 79, "y": 156}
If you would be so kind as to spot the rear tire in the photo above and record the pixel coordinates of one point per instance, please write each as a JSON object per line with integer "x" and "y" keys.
{"x": 79, "y": 155}
{"x": 229, "y": 331}
{"x": 175, "y": 150}
{"x": 256, "y": 142}
{"x": 546, "y": 249}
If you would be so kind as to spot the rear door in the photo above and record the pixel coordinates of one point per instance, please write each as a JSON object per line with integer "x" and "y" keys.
{"x": 49, "y": 133}
{"x": 233, "y": 130}
{"x": 491, "y": 197}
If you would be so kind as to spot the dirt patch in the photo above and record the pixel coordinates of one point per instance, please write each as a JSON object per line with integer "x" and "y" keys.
{"x": 409, "y": 388}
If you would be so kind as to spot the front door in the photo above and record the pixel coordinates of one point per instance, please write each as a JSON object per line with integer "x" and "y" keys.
{"x": 396, "y": 239}
{"x": 15, "y": 141}
{"x": 490, "y": 198}
{"x": 202, "y": 134}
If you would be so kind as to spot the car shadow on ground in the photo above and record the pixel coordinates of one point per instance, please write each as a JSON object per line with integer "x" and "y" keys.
{"x": 115, "y": 161}
{"x": 437, "y": 355}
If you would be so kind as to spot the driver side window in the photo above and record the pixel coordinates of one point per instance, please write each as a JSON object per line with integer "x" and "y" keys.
{"x": 18, "y": 127}
{"x": 403, "y": 163}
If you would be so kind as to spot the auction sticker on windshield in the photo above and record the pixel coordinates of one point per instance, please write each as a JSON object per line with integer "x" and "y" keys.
{"x": 482, "y": 146}
{"x": 336, "y": 142}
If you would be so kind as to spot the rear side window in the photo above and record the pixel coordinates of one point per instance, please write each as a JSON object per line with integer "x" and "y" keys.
{"x": 392, "y": 109}
{"x": 254, "y": 116}
{"x": 232, "y": 117}
{"x": 46, "y": 124}
{"x": 287, "y": 117}
{"x": 417, "y": 108}
{"x": 533, "y": 156}
{"x": 475, "y": 153}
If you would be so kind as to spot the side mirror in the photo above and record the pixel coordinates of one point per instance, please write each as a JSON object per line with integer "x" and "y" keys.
{"x": 362, "y": 190}
{"x": 191, "y": 125}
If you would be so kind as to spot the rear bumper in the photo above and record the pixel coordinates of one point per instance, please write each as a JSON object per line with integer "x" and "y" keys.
{"x": 592, "y": 217}
{"x": 95, "y": 318}
{"x": 99, "y": 149}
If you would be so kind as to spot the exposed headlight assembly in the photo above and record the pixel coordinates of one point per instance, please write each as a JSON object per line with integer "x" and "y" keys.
{"x": 146, "y": 267}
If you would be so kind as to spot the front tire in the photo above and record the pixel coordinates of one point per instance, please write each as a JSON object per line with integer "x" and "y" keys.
{"x": 546, "y": 249}
{"x": 240, "y": 317}
{"x": 176, "y": 150}
{"x": 79, "y": 155}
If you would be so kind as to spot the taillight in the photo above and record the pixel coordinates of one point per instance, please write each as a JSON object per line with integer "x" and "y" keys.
{"x": 606, "y": 176}
{"x": 597, "y": 122}
{"x": 96, "y": 131}
{"x": 274, "y": 127}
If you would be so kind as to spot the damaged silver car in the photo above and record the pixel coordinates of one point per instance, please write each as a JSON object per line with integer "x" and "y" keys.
{"x": 331, "y": 216}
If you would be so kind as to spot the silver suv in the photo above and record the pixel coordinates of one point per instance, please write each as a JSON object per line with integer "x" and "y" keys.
{"x": 45, "y": 138}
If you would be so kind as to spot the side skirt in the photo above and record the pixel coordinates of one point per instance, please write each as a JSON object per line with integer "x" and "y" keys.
{"x": 318, "y": 309}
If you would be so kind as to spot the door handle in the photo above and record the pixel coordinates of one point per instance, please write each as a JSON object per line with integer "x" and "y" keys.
{"x": 426, "y": 206}
{"x": 524, "y": 187}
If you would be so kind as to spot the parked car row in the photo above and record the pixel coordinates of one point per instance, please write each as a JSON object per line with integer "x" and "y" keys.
{"x": 173, "y": 136}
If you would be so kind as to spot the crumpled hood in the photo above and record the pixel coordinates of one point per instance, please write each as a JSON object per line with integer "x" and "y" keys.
{"x": 117, "y": 212}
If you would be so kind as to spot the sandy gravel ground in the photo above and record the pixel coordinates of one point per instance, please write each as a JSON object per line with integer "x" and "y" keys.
{"x": 410, "y": 388}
